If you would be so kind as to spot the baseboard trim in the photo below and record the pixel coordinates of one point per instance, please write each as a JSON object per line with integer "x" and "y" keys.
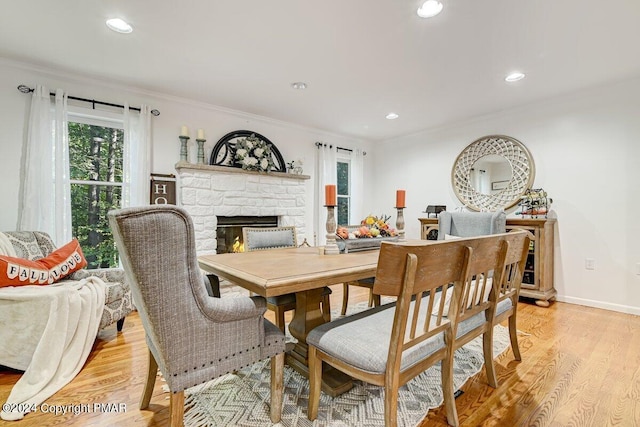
{"x": 599, "y": 304}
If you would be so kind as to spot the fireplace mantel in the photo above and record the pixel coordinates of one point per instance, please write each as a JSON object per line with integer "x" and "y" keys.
{"x": 226, "y": 169}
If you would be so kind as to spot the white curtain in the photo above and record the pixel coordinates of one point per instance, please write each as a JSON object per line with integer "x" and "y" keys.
{"x": 137, "y": 157}
{"x": 45, "y": 198}
{"x": 327, "y": 174}
{"x": 357, "y": 186}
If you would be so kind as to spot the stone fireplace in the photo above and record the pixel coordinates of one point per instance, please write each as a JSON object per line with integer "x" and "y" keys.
{"x": 209, "y": 193}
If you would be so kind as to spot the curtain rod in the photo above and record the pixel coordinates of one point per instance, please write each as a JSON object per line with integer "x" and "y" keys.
{"x": 27, "y": 89}
{"x": 319, "y": 144}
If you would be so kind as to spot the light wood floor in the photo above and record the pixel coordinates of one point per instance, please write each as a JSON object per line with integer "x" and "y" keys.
{"x": 581, "y": 367}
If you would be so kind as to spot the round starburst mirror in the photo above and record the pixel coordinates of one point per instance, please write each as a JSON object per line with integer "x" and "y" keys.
{"x": 492, "y": 173}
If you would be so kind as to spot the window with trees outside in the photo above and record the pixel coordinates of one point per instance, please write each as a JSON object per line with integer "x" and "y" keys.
{"x": 344, "y": 191}
{"x": 96, "y": 174}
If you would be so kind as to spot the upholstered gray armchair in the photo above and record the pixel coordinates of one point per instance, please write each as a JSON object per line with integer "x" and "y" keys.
{"x": 192, "y": 337}
{"x": 265, "y": 238}
{"x": 471, "y": 224}
{"x": 34, "y": 245}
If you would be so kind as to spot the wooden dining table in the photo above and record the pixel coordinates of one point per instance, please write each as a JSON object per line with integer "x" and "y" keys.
{"x": 303, "y": 271}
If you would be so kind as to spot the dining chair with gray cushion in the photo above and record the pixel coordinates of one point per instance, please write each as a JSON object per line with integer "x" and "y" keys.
{"x": 265, "y": 238}
{"x": 391, "y": 344}
{"x": 488, "y": 292}
{"x": 192, "y": 337}
{"x": 470, "y": 224}
{"x": 508, "y": 290}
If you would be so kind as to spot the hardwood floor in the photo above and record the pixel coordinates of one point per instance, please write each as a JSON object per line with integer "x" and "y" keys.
{"x": 580, "y": 367}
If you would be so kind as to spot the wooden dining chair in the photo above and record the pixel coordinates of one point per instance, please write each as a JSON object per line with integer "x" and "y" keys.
{"x": 374, "y": 300}
{"x": 508, "y": 290}
{"x": 482, "y": 300}
{"x": 391, "y": 344}
{"x": 192, "y": 337}
{"x": 265, "y": 238}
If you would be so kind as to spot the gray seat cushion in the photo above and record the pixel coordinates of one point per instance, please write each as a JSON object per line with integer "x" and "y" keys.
{"x": 362, "y": 340}
{"x": 473, "y": 322}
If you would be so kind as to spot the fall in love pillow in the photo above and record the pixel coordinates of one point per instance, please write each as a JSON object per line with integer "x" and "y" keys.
{"x": 57, "y": 265}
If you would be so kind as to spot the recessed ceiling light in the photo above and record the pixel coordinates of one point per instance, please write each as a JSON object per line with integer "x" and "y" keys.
{"x": 392, "y": 116}
{"x": 429, "y": 9}
{"x": 299, "y": 85}
{"x": 514, "y": 77}
{"x": 119, "y": 26}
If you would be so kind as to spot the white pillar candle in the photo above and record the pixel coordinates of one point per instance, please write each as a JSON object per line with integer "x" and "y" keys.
{"x": 200, "y": 133}
{"x": 184, "y": 131}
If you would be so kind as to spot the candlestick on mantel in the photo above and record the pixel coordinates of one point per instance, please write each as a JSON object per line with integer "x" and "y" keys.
{"x": 200, "y": 142}
{"x": 330, "y": 195}
{"x": 200, "y": 134}
{"x": 184, "y": 131}
{"x": 400, "y": 199}
{"x": 184, "y": 152}
{"x": 400, "y": 224}
{"x": 331, "y": 248}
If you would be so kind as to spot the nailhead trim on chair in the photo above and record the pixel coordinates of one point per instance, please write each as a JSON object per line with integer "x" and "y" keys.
{"x": 218, "y": 376}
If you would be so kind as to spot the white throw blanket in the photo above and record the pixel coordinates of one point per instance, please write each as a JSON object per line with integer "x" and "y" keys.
{"x": 47, "y": 331}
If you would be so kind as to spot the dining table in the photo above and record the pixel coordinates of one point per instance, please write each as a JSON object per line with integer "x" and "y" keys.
{"x": 303, "y": 271}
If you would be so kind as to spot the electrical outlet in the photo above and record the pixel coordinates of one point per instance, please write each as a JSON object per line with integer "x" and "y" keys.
{"x": 590, "y": 264}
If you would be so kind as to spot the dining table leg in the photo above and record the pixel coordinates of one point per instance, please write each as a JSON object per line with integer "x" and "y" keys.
{"x": 308, "y": 315}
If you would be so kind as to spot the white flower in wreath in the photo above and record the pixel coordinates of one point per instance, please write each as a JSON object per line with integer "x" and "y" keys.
{"x": 258, "y": 152}
{"x": 264, "y": 163}
{"x": 241, "y": 152}
{"x": 250, "y": 161}
{"x": 249, "y": 144}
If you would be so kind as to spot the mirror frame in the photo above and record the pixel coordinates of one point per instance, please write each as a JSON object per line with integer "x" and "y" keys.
{"x": 522, "y": 166}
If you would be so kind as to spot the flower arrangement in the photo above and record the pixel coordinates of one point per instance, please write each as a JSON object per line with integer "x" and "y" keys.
{"x": 370, "y": 227}
{"x": 253, "y": 154}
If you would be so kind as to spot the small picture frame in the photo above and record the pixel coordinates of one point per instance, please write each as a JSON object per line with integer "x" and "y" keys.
{"x": 499, "y": 185}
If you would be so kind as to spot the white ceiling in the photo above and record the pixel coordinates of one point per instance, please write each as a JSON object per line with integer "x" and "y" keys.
{"x": 360, "y": 58}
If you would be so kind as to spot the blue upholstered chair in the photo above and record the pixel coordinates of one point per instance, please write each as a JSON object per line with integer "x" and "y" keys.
{"x": 265, "y": 238}
{"x": 470, "y": 224}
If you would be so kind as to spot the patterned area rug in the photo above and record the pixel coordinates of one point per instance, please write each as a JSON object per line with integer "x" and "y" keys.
{"x": 243, "y": 399}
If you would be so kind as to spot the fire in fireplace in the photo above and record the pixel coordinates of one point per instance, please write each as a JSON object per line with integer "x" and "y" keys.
{"x": 229, "y": 231}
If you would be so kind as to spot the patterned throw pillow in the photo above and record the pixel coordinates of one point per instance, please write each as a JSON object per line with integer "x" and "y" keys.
{"x": 57, "y": 265}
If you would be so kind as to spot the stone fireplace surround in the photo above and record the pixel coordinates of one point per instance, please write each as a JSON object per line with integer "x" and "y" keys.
{"x": 207, "y": 192}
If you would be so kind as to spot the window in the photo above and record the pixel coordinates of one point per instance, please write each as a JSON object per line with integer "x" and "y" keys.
{"x": 344, "y": 191}
{"x": 96, "y": 166}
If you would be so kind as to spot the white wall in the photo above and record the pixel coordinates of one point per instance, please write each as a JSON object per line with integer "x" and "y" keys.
{"x": 294, "y": 142}
{"x": 586, "y": 150}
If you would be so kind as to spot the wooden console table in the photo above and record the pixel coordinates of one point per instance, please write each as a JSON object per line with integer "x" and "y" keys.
{"x": 537, "y": 282}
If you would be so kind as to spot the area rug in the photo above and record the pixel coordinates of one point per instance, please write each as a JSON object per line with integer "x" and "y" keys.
{"x": 242, "y": 399}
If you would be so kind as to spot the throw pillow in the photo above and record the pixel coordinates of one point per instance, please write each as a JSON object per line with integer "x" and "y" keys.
{"x": 57, "y": 265}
